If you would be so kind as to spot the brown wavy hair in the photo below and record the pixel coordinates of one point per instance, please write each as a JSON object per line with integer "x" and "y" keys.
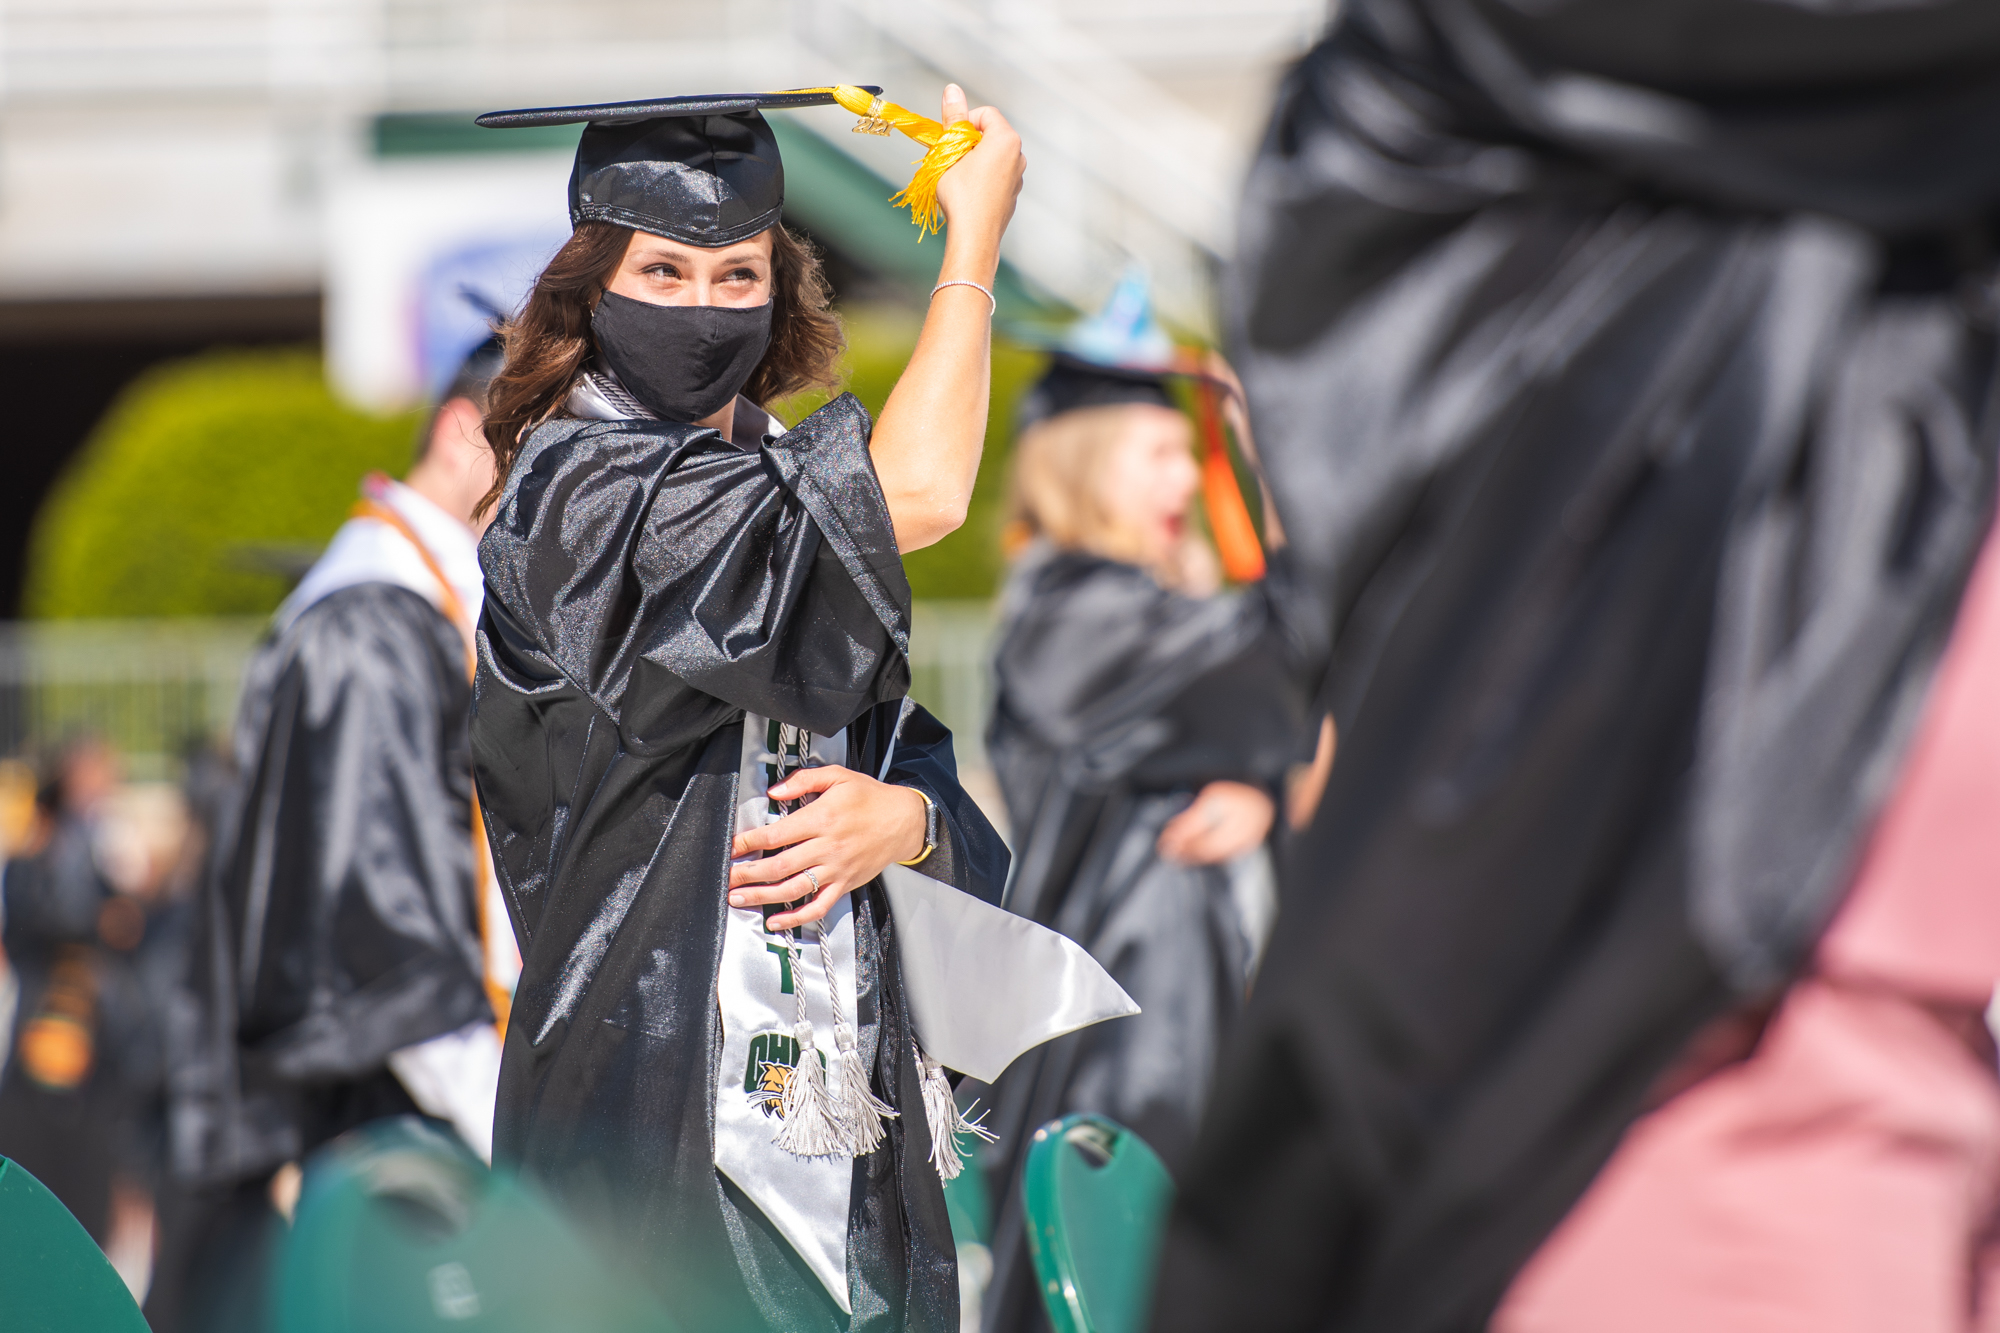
{"x": 549, "y": 343}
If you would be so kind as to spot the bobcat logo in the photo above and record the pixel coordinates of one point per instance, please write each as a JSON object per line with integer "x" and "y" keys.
{"x": 769, "y": 1094}
{"x": 773, "y": 1056}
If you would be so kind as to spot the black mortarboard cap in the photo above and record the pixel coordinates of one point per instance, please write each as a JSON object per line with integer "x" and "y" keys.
{"x": 1072, "y": 382}
{"x": 703, "y": 169}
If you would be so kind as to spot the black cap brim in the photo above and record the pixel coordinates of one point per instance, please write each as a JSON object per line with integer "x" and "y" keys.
{"x": 1071, "y": 383}
{"x": 658, "y": 108}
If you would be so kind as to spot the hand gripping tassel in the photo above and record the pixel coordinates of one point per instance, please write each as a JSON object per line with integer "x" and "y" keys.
{"x": 944, "y": 146}
{"x": 807, "y": 1125}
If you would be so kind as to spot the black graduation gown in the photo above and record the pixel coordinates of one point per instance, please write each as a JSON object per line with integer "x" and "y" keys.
{"x": 648, "y": 583}
{"x": 1115, "y": 700}
{"x": 1617, "y": 369}
{"x": 338, "y": 920}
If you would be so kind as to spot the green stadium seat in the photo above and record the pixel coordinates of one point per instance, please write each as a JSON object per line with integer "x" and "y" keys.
{"x": 971, "y": 1212}
{"x": 53, "y": 1278}
{"x": 1097, "y": 1200}
{"x": 400, "y": 1229}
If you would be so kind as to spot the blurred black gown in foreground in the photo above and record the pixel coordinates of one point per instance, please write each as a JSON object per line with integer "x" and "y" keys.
{"x": 1625, "y": 368}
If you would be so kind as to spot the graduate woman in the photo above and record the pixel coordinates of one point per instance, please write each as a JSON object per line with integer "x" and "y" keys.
{"x": 1143, "y": 726}
{"x": 691, "y": 739}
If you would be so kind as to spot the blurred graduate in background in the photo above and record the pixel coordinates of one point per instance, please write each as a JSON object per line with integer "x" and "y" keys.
{"x": 346, "y": 964}
{"x": 84, "y": 1047}
{"x": 1143, "y": 728}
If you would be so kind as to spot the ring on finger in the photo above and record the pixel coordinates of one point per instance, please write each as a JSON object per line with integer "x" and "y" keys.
{"x": 814, "y": 879}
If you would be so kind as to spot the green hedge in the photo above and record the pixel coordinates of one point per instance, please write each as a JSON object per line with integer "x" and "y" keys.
{"x": 207, "y": 468}
{"x": 197, "y": 469}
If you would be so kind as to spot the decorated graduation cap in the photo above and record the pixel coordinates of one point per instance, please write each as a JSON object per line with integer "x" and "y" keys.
{"x": 1123, "y": 355}
{"x": 704, "y": 169}
{"x": 1119, "y": 355}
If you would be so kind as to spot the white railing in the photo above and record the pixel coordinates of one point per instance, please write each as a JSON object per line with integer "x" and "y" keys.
{"x": 951, "y": 671}
{"x": 154, "y": 687}
{"x": 151, "y": 688}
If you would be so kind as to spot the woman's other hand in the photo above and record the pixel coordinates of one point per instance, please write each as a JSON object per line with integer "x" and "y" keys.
{"x": 978, "y": 193}
{"x": 1225, "y": 820}
{"x": 855, "y": 828}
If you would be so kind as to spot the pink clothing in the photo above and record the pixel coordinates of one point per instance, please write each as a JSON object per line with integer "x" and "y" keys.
{"x": 1846, "y": 1176}
{"x": 1837, "y": 1182}
{"x": 1925, "y": 911}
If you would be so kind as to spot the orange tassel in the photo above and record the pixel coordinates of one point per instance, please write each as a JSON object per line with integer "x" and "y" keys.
{"x": 1228, "y": 517}
{"x": 946, "y": 147}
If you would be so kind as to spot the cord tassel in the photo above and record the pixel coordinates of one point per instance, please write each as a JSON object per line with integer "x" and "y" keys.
{"x": 946, "y": 1120}
{"x": 808, "y": 1128}
{"x": 862, "y": 1112}
{"x": 857, "y": 1110}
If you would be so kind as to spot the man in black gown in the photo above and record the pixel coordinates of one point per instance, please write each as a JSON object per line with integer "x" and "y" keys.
{"x": 338, "y": 970}
{"x": 1624, "y": 370}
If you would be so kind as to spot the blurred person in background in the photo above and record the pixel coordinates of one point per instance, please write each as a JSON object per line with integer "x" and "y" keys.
{"x": 84, "y": 1045}
{"x": 161, "y": 962}
{"x": 1627, "y": 368}
{"x": 339, "y": 968}
{"x": 1144, "y": 723}
{"x": 144, "y": 845}
{"x": 693, "y": 739}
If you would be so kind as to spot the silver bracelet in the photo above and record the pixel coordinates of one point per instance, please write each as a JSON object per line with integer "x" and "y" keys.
{"x": 987, "y": 292}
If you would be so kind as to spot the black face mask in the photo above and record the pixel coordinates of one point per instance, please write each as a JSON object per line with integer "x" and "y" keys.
{"x": 684, "y": 362}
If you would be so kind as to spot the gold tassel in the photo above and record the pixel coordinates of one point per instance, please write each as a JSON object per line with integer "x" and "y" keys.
{"x": 945, "y": 147}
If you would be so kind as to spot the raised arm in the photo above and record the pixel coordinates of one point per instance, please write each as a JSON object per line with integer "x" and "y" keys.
{"x": 926, "y": 445}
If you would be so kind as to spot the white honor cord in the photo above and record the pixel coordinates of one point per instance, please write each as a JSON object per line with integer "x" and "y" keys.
{"x": 825, "y": 1113}
{"x": 833, "y": 1112}
{"x": 857, "y": 1110}
{"x": 981, "y": 288}
{"x": 805, "y": 1114}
